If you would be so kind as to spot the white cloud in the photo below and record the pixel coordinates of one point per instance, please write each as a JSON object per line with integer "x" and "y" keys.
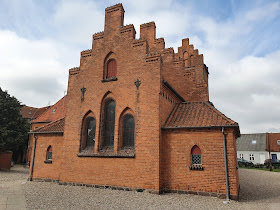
{"x": 31, "y": 70}
{"x": 76, "y": 21}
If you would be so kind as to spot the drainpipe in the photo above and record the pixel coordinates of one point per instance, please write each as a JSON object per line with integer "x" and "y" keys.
{"x": 32, "y": 164}
{"x": 226, "y": 165}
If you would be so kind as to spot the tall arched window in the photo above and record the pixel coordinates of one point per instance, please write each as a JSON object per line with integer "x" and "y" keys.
{"x": 90, "y": 131}
{"x": 128, "y": 128}
{"x": 112, "y": 68}
{"x": 49, "y": 153}
{"x": 196, "y": 155}
{"x": 109, "y": 123}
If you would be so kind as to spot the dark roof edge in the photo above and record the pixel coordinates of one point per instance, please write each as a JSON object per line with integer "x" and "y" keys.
{"x": 46, "y": 132}
{"x": 41, "y": 122}
{"x": 215, "y": 126}
{"x": 190, "y": 127}
{"x": 174, "y": 91}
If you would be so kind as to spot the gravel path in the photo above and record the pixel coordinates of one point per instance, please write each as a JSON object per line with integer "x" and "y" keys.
{"x": 259, "y": 190}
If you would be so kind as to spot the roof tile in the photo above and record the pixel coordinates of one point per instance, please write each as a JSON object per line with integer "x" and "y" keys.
{"x": 53, "y": 127}
{"x": 197, "y": 114}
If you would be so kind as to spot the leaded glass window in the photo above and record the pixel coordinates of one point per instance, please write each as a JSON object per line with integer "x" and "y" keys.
{"x": 128, "y": 130}
{"x": 109, "y": 123}
{"x": 196, "y": 155}
{"x": 91, "y": 126}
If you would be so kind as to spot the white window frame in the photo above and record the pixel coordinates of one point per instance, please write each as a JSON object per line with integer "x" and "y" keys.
{"x": 252, "y": 157}
{"x": 241, "y": 156}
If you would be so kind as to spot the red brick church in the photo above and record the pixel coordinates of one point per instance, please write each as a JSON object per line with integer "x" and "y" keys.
{"x": 137, "y": 116}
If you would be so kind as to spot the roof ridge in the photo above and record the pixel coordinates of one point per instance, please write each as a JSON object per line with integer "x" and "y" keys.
{"x": 48, "y": 124}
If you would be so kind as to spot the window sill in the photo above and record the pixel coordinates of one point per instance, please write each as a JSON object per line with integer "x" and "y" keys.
{"x": 107, "y": 154}
{"x": 196, "y": 168}
{"x": 109, "y": 79}
{"x": 48, "y": 161}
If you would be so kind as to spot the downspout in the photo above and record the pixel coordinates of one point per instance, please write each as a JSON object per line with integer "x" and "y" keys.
{"x": 226, "y": 164}
{"x": 32, "y": 164}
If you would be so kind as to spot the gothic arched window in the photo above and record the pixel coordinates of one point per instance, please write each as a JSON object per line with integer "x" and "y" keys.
{"x": 109, "y": 123}
{"x": 128, "y": 129}
{"x": 196, "y": 155}
{"x": 90, "y": 131}
{"x": 111, "y": 68}
{"x": 49, "y": 153}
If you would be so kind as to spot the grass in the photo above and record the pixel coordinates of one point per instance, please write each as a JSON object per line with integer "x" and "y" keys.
{"x": 263, "y": 169}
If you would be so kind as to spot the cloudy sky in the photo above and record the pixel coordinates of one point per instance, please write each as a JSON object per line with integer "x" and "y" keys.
{"x": 240, "y": 40}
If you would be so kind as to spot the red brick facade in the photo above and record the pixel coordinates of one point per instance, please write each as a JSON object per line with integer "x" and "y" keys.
{"x": 149, "y": 81}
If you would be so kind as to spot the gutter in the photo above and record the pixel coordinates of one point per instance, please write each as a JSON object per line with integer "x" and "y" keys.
{"x": 32, "y": 164}
{"x": 41, "y": 122}
{"x": 46, "y": 132}
{"x": 190, "y": 127}
{"x": 226, "y": 165}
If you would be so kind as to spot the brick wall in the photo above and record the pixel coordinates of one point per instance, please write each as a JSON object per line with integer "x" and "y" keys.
{"x": 48, "y": 170}
{"x": 176, "y": 160}
{"x": 272, "y": 138}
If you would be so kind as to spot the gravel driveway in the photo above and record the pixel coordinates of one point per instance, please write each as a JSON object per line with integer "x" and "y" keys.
{"x": 259, "y": 190}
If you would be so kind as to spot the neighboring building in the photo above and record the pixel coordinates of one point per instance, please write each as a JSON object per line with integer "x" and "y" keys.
{"x": 255, "y": 147}
{"x": 273, "y": 145}
{"x": 31, "y": 113}
{"x": 137, "y": 116}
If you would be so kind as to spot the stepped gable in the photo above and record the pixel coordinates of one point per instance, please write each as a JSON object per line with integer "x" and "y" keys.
{"x": 54, "y": 112}
{"x": 197, "y": 114}
{"x": 53, "y": 127}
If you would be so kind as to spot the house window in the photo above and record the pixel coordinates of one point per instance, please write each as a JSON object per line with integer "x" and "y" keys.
{"x": 278, "y": 142}
{"x": 252, "y": 157}
{"x": 128, "y": 128}
{"x": 109, "y": 123}
{"x": 241, "y": 156}
{"x": 53, "y": 111}
{"x": 111, "y": 68}
{"x": 254, "y": 141}
{"x": 90, "y": 132}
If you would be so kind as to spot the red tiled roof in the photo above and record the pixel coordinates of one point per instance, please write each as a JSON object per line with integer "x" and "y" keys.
{"x": 54, "y": 112}
{"x": 197, "y": 114}
{"x": 39, "y": 112}
{"x": 53, "y": 127}
{"x": 28, "y": 111}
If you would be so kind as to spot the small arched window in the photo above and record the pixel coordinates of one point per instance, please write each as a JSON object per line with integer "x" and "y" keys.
{"x": 196, "y": 155}
{"x": 49, "y": 153}
{"x": 109, "y": 123}
{"x": 90, "y": 131}
{"x": 112, "y": 68}
{"x": 128, "y": 128}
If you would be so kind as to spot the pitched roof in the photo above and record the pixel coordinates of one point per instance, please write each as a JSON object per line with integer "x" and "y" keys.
{"x": 55, "y": 112}
{"x": 40, "y": 111}
{"x": 28, "y": 111}
{"x": 245, "y": 142}
{"x": 197, "y": 114}
{"x": 53, "y": 127}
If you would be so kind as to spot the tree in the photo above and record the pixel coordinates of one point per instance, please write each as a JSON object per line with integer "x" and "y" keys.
{"x": 13, "y": 127}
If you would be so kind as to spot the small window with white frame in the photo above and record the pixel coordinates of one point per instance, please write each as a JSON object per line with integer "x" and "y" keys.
{"x": 252, "y": 157}
{"x": 278, "y": 142}
{"x": 241, "y": 156}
